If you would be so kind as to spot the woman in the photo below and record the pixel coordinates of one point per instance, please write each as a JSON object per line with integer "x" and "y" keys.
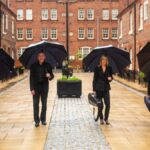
{"x": 102, "y": 77}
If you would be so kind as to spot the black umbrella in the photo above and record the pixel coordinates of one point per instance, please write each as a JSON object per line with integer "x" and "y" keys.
{"x": 118, "y": 58}
{"x": 6, "y": 65}
{"x": 55, "y": 53}
{"x": 144, "y": 59}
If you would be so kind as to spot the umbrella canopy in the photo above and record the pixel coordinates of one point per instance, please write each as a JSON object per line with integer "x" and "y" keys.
{"x": 118, "y": 58}
{"x": 144, "y": 59}
{"x": 55, "y": 53}
{"x": 6, "y": 65}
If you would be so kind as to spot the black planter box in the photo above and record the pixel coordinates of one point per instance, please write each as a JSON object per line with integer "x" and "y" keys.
{"x": 69, "y": 89}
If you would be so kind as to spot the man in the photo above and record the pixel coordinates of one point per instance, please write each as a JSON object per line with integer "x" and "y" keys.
{"x": 40, "y": 73}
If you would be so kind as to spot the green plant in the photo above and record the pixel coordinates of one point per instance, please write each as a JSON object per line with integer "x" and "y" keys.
{"x": 141, "y": 75}
{"x": 64, "y": 78}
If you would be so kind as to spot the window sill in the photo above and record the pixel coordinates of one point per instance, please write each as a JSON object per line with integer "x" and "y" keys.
{"x": 105, "y": 39}
{"x": 140, "y": 29}
{"x": 130, "y": 33}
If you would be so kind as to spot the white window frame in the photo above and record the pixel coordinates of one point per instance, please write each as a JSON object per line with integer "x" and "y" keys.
{"x": 3, "y": 24}
{"x": 53, "y": 33}
{"x": 53, "y": 14}
{"x": 81, "y": 14}
{"x": 130, "y": 23}
{"x": 83, "y": 49}
{"x": 44, "y": 14}
{"x": 105, "y": 14}
{"x": 19, "y": 14}
{"x": 90, "y": 14}
{"x": 115, "y": 14}
{"x": 81, "y": 33}
{"x": 29, "y": 14}
{"x": 115, "y": 33}
{"x": 20, "y": 51}
{"x": 146, "y": 9}
{"x": 131, "y": 58}
{"x": 104, "y": 33}
{"x": 29, "y": 38}
{"x": 18, "y": 38}
{"x": 140, "y": 18}
{"x": 13, "y": 27}
{"x": 90, "y": 33}
{"x": 44, "y": 33}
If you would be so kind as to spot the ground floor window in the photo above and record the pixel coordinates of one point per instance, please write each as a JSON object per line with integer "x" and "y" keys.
{"x": 84, "y": 51}
{"x": 21, "y": 50}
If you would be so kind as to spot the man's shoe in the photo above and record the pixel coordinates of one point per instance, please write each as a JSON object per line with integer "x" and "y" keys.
{"x": 36, "y": 125}
{"x": 107, "y": 122}
{"x": 101, "y": 121}
{"x": 44, "y": 123}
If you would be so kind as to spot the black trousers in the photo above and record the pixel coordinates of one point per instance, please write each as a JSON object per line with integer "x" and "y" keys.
{"x": 104, "y": 95}
{"x": 41, "y": 92}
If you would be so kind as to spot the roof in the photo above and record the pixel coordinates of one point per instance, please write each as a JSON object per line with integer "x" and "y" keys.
{"x": 6, "y": 7}
{"x": 127, "y": 8}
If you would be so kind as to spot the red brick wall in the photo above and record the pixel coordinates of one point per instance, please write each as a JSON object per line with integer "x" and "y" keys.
{"x": 74, "y": 23}
{"x": 143, "y": 36}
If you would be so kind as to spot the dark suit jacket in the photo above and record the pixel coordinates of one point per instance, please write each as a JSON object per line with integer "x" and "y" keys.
{"x": 35, "y": 72}
{"x": 100, "y": 81}
{"x": 148, "y": 84}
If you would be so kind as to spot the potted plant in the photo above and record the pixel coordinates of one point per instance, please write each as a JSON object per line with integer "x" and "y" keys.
{"x": 69, "y": 87}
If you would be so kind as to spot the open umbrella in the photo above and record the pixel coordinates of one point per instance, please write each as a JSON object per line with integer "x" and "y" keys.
{"x": 118, "y": 58}
{"x": 6, "y": 65}
{"x": 55, "y": 53}
{"x": 144, "y": 59}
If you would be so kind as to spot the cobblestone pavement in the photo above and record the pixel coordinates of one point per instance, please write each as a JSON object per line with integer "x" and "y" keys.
{"x": 72, "y": 127}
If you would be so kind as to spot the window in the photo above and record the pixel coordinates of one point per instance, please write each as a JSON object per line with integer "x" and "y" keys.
{"x": 6, "y": 21}
{"x": 81, "y": 33}
{"x": 13, "y": 27}
{"x": 19, "y": 14}
{"x": 20, "y": 34}
{"x": 53, "y": 33}
{"x": 130, "y": 23}
{"x": 44, "y": 33}
{"x": 105, "y": 33}
{"x": 145, "y": 9}
{"x": 90, "y": 33}
{"x": 120, "y": 29}
{"x": 29, "y": 14}
{"x": 44, "y": 14}
{"x": 81, "y": 14}
{"x": 141, "y": 17}
{"x": 90, "y": 14}
{"x": 131, "y": 57}
{"x": 53, "y": 14}
{"x": 84, "y": 51}
{"x": 105, "y": 14}
{"x": 114, "y": 33}
{"x": 21, "y": 50}
{"x": 29, "y": 35}
{"x": 114, "y": 14}
{"x": 3, "y": 24}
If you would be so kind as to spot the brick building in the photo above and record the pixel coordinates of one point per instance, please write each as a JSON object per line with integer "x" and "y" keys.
{"x": 7, "y": 29}
{"x": 127, "y": 37}
{"x": 91, "y": 23}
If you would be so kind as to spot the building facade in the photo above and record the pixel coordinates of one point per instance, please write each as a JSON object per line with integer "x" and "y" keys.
{"x": 91, "y": 23}
{"x": 129, "y": 21}
{"x": 7, "y": 29}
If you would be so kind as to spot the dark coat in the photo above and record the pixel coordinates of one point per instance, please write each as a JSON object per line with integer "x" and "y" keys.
{"x": 38, "y": 74}
{"x": 100, "y": 81}
{"x": 148, "y": 78}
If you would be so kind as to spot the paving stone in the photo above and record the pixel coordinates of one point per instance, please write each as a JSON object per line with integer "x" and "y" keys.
{"x": 72, "y": 127}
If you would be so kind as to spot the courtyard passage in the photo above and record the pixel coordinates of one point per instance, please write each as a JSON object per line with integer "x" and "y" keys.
{"x": 70, "y": 121}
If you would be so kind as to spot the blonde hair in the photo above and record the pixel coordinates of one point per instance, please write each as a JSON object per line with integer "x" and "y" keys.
{"x": 103, "y": 57}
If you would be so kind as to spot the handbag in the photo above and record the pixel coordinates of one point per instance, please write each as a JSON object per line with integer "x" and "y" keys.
{"x": 147, "y": 102}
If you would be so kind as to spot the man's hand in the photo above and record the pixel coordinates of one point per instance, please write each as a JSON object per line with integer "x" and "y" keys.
{"x": 48, "y": 75}
{"x": 33, "y": 92}
{"x": 109, "y": 78}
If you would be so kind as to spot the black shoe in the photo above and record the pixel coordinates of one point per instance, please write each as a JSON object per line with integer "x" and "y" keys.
{"x": 36, "y": 125}
{"x": 44, "y": 123}
{"x": 107, "y": 122}
{"x": 101, "y": 121}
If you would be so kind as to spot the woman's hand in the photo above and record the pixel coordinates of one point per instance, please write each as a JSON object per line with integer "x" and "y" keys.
{"x": 48, "y": 75}
{"x": 109, "y": 78}
{"x": 33, "y": 92}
